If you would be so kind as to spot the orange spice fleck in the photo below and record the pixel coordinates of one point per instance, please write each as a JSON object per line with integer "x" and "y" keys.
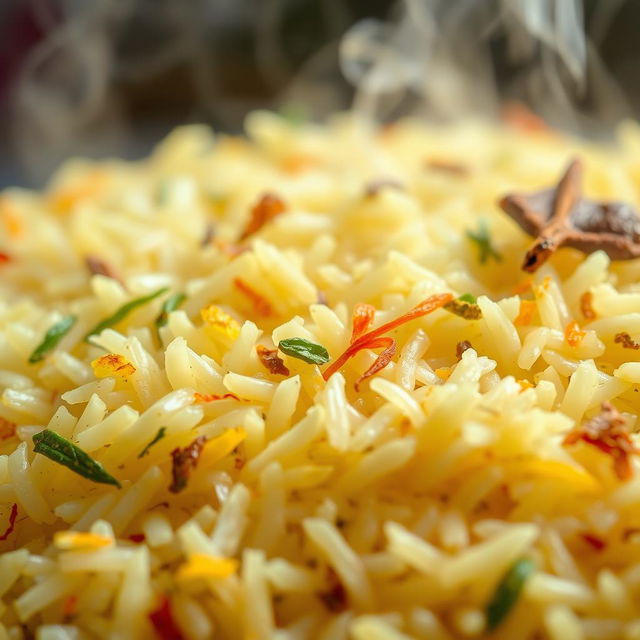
{"x": 573, "y": 334}
{"x": 527, "y": 310}
{"x": 266, "y": 209}
{"x": 298, "y": 163}
{"x": 7, "y": 429}
{"x": 586, "y": 306}
{"x": 404, "y": 428}
{"x": 69, "y": 606}
{"x": 228, "y": 248}
{"x": 4, "y": 258}
{"x": 12, "y": 218}
{"x": 112, "y": 364}
{"x": 260, "y": 304}
{"x": 523, "y": 286}
{"x": 517, "y": 116}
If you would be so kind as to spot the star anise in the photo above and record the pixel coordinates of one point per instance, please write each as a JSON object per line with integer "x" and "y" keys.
{"x": 562, "y": 216}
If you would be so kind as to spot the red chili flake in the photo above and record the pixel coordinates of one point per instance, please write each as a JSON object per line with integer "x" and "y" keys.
{"x": 7, "y": 429}
{"x": 362, "y": 318}
{"x": 586, "y": 306}
{"x": 266, "y": 209}
{"x": 137, "y": 537}
{"x": 608, "y": 432}
{"x": 447, "y": 166}
{"x": 184, "y": 461}
{"x": 261, "y": 305}
{"x": 211, "y": 397}
{"x": 69, "y": 607}
{"x": 272, "y": 361}
{"x": 97, "y": 266}
{"x": 626, "y": 341}
{"x": 12, "y": 522}
{"x": 335, "y": 597}
{"x": 4, "y": 258}
{"x": 163, "y": 623}
{"x": 461, "y": 347}
{"x": 597, "y": 543}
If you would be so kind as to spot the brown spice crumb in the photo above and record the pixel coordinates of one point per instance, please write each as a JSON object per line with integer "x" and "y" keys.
{"x": 184, "y": 461}
{"x": 97, "y": 266}
{"x": 447, "y": 166}
{"x": 208, "y": 235}
{"x": 374, "y": 187}
{"x": 608, "y": 432}
{"x": 626, "y": 341}
{"x": 461, "y": 347}
{"x": 271, "y": 360}
{"x": 335, "y": 597}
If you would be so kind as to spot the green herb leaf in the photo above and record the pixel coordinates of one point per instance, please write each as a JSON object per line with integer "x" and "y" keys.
{"x": 123, "y": 312}
{"x": 294, "y": 113}
{"x": 51, "y": 338}
{"x": 156, "y": 438}
{"x": 64, "y": 452}
{"x": 163, "y": 191}
{"x": 482, "y": 238}
{"x": 465, "y": 306}
{"x": 304, "y": 350}
{"x": 169, "y": 305}
{"x": 508, "y": 591}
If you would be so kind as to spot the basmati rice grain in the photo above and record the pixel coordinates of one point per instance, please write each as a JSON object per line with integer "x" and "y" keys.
{"x": 562, "y": 624}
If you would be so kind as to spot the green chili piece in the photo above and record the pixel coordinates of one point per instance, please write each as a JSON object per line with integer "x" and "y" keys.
{"x": 52, "y": 337}
{"x": 169, "y": 305}
{"x": 123, "y": 312}
{"x": 64, "y": 452}
{"x": 161, "y": 433}
{"x": 508, "y": 591}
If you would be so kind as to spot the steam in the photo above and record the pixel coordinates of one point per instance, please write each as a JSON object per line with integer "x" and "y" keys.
{"x": 430, "y": 58}
{"x": 435, "y": 57}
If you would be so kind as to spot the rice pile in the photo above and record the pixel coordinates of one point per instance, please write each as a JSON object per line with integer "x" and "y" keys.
{"x": 315, "y": 510}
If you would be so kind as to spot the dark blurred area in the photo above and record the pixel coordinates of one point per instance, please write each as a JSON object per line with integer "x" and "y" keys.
{"x": 111, "y": 77}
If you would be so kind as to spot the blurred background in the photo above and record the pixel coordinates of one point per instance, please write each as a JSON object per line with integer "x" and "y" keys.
{"x": 111, "y": 77}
